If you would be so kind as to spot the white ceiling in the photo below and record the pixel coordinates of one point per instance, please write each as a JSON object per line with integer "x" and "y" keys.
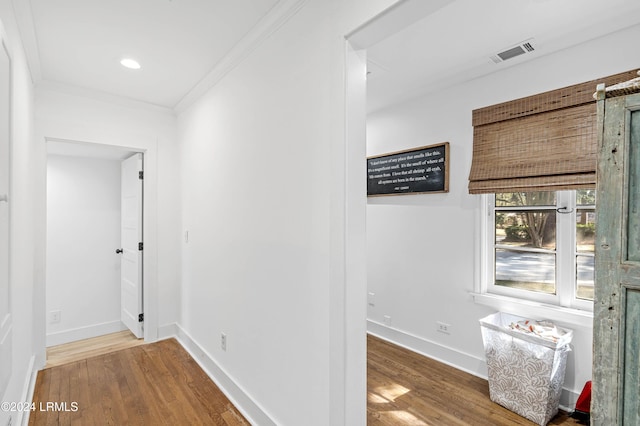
{"x": 180, "y": 43}
{"x": 455, "y": 41}
{"x": 177, "y": 42}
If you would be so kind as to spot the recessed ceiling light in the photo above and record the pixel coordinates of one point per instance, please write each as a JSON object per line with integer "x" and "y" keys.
{"x": 130, "y": 63}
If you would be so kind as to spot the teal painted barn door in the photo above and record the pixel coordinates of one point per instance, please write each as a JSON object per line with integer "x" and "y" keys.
{"x": 616, "y": 360}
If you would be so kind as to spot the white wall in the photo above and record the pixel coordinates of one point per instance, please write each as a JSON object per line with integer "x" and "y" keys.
{"x": 83, "y": 232}
{"x": 263, "y": 161}
{"x": 23, "y": 273}
{"x": 423, "y": 249}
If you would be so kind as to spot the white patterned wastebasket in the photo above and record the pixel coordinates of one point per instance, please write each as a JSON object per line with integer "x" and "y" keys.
{"x": 526, "y": 371}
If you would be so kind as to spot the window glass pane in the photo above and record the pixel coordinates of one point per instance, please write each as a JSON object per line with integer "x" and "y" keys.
{"x": 585, "y": 230}
{"x": 526, "y": 270}
{"x": 585, "y": 243}
{"x": 586, "y": 197}
{"x": 526, "y": 229}
{"x": 516, "y": 199}
{"x": 585, "y": 277}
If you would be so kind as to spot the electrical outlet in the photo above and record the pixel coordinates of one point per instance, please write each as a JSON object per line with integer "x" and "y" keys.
{"x": 443, "y": 328}
{"x": 223, "y": 341}
{"x": 54, "y": 317}
{"x": 371, "y": 299}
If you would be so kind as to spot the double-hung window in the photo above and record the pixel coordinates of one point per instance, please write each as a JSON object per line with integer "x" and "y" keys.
{"x": 539, "y": 246}
{"x": 534, "y": 165}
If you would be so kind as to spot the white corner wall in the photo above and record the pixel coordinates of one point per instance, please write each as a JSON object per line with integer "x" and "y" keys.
{"x": 23, "y": 273}
{"x": 83, "y": 232}
{"x": 422, "y": 249}
{"x": 263, "y": 202}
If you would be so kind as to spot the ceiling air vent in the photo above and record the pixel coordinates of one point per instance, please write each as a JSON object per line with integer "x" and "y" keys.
{"x": 512, "y": 52}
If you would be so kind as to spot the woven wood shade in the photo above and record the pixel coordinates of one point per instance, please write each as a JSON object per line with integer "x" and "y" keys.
{"x": 626, "y": 88}
{"x": 543, "y": 142}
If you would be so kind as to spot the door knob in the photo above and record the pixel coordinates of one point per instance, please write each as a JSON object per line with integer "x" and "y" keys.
{"x": 118, "y": 251}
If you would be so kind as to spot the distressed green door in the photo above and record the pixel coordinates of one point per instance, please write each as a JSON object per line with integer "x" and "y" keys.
{"x": 616, "y": 360}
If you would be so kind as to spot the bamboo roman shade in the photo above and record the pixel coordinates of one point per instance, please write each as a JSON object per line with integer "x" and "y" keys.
{"x": 542, "y": 142}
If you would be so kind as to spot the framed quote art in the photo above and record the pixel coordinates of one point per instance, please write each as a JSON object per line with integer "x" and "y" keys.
{"x": 414, "y": 171}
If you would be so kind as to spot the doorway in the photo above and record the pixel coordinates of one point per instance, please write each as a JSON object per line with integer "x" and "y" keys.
{"x": 84, "y": 222}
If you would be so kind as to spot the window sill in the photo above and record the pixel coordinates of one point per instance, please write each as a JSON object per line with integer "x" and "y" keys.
{"x": 535, "y": 310}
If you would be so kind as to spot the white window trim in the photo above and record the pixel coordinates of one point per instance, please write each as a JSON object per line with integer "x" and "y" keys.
{"x": 535, "y": 310}
{"x": 578, "y": 313}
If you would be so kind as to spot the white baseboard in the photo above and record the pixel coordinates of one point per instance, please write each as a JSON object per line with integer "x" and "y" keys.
{"x": 86, "y": 332}
{"x": 6, "y": 350}
{"x": 452, "y": 357}
{"x": 238, "y": 397}
{"x": 27, "y": 391}
{"x": 168, "y": 331}
{"x": 460, "y": 360}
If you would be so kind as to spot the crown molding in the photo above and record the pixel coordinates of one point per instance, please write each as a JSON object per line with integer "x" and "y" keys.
{"x": 83, "y": 92}
{"x": 269, "y": 24}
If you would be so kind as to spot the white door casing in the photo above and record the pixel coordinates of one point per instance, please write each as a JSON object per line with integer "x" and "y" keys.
{"x": 131, "y": 284}
{"x": 6, "y": 334}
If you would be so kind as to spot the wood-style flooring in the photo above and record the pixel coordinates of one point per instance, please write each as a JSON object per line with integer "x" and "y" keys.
{"x": 160, "y": 384}
{"x": 150, "y": 384}
{"x": 87, "y": 348}
{"x": 405, "y": 388}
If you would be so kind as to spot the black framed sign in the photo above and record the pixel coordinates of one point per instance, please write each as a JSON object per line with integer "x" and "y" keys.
{"x": 413, "y": 171}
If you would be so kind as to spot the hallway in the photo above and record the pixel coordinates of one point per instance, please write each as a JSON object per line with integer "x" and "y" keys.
{"x": 150, "y": 384}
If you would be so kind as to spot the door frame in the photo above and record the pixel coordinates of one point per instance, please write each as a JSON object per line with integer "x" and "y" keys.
{"x": 150, "y": 254}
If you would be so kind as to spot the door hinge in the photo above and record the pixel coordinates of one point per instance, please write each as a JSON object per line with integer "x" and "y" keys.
{"x": 140, "y": 317}
{"x": 140, "y": 246}
{"x": 140, "y": 174}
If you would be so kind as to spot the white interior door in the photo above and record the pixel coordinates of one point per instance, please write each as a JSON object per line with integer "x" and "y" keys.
{"x": 131, "y": 288}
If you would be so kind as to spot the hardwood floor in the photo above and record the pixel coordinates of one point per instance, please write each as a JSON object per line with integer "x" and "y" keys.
{"x": 405, "y": 388}
{"x": 151, "y": 384}
{"x": 160, "y": 383}
{"x": 83, "y": 349}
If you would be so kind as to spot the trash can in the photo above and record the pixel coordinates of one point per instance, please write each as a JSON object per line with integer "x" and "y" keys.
{"x": 525, "y": 369}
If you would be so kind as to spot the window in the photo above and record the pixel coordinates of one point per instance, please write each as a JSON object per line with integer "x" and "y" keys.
{"x": 540, "y": 246}
{"x": 534, "y": 162}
